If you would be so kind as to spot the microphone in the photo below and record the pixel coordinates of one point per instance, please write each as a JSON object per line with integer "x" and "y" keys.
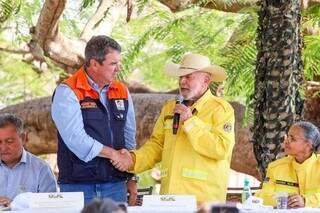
{"x": 176, "y": 116}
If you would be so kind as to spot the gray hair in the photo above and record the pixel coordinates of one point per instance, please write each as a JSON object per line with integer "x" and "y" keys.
{"x": 98, "y": 47}
{"x": 8, "y": 118}
{"x": 102, "y": 206}
{"x": 311, "y": 132}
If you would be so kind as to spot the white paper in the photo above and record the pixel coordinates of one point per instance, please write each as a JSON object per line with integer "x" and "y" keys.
{"x": 30, "y": 200}
{"x": 179, "y": 202}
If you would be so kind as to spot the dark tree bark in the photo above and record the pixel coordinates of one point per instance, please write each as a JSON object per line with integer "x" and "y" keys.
{"x": 278, "y": 76}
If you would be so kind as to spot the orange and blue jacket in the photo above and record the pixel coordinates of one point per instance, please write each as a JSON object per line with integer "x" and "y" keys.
{"x": 105, "y": 125}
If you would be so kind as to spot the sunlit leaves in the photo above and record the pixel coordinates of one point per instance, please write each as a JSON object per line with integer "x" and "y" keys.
{"x": 8, "y": 8}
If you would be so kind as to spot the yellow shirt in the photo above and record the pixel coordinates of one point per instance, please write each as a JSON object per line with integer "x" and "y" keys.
{"x": 286, "y": 175}
{"x": 195, "y": 161}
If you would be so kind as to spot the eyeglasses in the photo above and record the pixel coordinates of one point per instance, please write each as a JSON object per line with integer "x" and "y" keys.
{"x": 292, "y": 139}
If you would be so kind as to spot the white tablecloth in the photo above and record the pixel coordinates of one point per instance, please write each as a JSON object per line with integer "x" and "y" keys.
{"x": 47, "y": 210}
{"x": 140, "y": 209}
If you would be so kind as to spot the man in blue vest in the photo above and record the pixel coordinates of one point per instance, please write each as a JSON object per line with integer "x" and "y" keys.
{"x": 94, "y": 116}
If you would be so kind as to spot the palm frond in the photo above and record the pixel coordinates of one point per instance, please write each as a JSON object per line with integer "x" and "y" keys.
{"x": 141, "y": 4}
{"x": 9, "y": 8}
{"x": 311, "y": 56}
{"x": 87, "y": 3}
{"x": 313, "y": 14}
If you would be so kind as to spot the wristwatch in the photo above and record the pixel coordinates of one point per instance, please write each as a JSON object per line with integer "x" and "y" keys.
{"x": 134, "y": 178}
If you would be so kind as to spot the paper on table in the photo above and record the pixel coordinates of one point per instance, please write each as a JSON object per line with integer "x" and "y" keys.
{"x": 186, "y": 202}
{"x": 4, "y": 208}
{"x": 30, "y": 200}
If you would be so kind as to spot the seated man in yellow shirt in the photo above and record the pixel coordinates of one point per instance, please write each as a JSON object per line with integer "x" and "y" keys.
{"x": 298, "y": 173}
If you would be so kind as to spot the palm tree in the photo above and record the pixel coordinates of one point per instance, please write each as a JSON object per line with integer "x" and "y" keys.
{"x": 278, "y": 76}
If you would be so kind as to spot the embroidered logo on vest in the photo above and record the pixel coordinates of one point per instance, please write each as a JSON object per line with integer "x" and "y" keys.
{"x": 88, "y": 105}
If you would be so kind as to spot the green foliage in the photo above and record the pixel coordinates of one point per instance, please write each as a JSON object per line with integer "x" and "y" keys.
{"x": 169, "y": 36}
{"x": 141, "y": 5}
{"x": 18, "y": 82}
{"x": 311, "y": 56}
{"x": 21, "y": 22}
{"x": 8, "y": 8}
{"x": 86, "y": 4}
{"x": 312, "y": 15}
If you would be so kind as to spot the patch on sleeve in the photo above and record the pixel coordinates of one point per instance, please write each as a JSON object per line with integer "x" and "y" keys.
{"x": 227, "y": 127}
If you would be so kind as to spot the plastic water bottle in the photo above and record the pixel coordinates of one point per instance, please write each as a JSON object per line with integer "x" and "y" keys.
{"x": 246, "y": 193}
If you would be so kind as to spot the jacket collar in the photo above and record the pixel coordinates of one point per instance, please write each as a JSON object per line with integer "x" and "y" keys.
{"x": 305, "y": 164}
{"x": 198, "y": 105}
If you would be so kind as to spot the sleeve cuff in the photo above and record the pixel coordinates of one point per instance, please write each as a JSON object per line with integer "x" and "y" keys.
{"x": 94, "y": 152}
{"x": 190, "y": 124}
{"x": 133, "y": 155}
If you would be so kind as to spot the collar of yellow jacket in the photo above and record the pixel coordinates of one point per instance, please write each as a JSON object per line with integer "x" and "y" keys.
{"x": 310, "y": 161}
{"x": 202, "y": 100}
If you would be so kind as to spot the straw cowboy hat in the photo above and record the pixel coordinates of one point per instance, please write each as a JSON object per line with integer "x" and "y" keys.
{"x": 194, "y": 63}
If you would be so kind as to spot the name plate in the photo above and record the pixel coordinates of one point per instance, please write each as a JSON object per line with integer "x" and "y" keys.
{"x": 187, "y": 202}
{"x": 30, "y": 200}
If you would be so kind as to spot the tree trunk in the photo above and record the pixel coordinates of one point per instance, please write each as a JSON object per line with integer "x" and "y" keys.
{"x": 42, "y": 133}
{"x": 278, "y": 76}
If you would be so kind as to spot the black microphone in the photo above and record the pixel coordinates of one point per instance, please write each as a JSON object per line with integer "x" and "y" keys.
{"x": 176, "y": 116}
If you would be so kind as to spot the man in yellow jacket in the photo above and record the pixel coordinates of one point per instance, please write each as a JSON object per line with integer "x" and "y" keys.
{"x": 195, "y": 160}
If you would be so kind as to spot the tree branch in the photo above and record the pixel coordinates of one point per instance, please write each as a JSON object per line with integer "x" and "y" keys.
{"x": 221, "y": 5}
{"x": 235, "y": 6}
{"x": 47, "y": 26}
{"x": 95, "y": 19}
{"x": 57, "y": 47}
{"x": 15, "y": 51}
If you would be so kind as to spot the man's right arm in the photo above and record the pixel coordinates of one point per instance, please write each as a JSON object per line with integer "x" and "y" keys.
{"x": 151, "y": 152}
{"x": 67, "y": 116}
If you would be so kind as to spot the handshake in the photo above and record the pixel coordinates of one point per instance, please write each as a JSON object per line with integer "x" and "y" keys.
{"x": 121, "y": 159}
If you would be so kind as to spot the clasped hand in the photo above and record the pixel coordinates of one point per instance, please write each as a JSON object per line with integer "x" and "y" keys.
{"x": 184, "y": 111}
{"x": 121, "y": 159}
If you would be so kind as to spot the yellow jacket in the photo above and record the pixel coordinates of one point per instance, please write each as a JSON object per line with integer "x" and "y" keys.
{"x": 195, "y": 161}
{"x": 286, "y": 175}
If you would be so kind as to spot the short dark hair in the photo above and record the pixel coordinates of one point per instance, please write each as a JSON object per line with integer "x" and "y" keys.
{"x": 311, "y": 132}
{"x": 102, "y": 206}
{"x": 8, "y": 118}
{"x": 99, "y": 46}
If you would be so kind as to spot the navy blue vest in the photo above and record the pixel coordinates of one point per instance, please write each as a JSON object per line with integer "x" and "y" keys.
{"x": 107, "y": 127}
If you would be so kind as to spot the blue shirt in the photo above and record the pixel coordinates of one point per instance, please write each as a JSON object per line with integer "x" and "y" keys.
{"x": 67, "y": 116}
{"x": 31, "y": 174}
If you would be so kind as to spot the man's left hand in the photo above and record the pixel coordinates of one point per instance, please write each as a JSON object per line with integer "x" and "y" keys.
{"x": 133, "y": 192}
{"x": 184, "y": 111}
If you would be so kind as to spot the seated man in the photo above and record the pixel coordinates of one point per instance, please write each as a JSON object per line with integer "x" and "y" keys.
{"x": 20, "y": 171}
{"x": 298, "y": 173}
